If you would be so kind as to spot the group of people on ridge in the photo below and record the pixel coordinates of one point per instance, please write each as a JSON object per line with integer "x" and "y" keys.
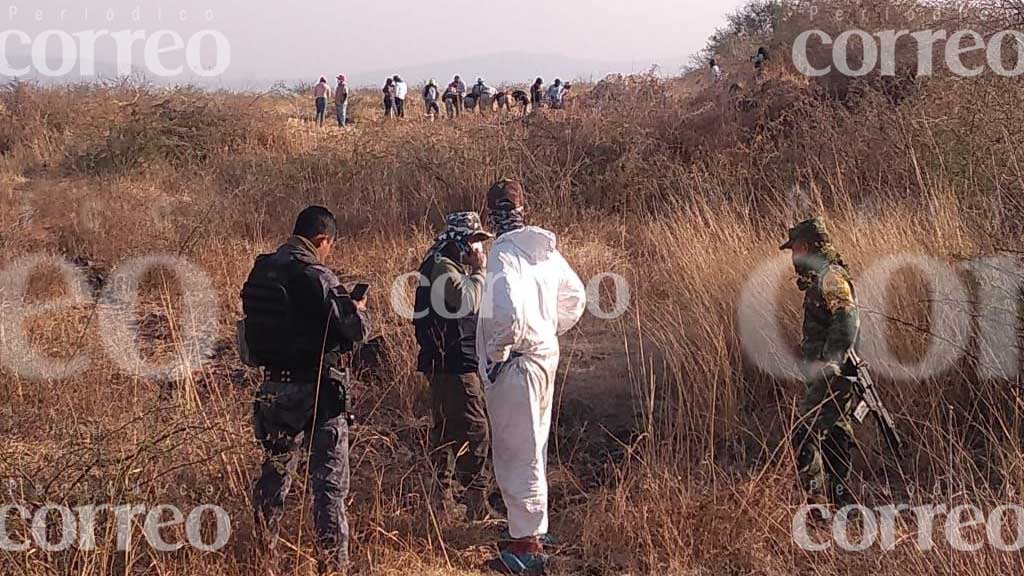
{"x": 483, "y": 97}
{"x": 395, "y": 92}
{"x": 456, "y": 98}
{"x": 759, "y": 60}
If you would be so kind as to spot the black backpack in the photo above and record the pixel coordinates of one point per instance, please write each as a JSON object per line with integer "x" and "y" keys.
{"x": 270, "y": 331}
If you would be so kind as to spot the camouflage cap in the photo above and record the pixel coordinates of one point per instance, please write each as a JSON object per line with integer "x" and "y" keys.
{"x": 464, "y": 226}
{"x": 813, "y": 230}
{"x": 506, "y": 194}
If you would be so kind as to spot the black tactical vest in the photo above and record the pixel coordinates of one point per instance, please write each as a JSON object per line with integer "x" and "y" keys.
{"x": 285, "y": 326}
{"x": 446, "y": 344}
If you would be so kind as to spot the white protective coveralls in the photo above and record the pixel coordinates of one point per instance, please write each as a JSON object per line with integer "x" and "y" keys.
{"x": 531, "y": 296}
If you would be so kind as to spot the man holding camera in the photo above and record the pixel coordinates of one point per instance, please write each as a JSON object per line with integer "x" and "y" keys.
{"x": 447, "y": 307}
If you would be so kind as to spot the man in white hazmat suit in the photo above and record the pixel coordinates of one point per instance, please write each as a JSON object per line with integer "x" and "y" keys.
{"x": 531, "y": 297}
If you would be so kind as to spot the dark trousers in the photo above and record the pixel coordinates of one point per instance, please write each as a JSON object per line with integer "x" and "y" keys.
{"x": 285, "y": 427}
{"x": 451, "y": 106}
{"x": 400, "y": 107}
{"x": 459, "y": 102}
{"x": 461, "y": 437}
{"x": 321, "y": 110}
{"x": 389, "y": 107}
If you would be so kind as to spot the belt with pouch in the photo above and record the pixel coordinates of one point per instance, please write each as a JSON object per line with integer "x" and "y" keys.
{"x": 289, "y": 375}
{"x": 339, "y": 379}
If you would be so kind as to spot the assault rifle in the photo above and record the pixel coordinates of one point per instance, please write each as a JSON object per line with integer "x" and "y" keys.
{"x": 856, "y": 371}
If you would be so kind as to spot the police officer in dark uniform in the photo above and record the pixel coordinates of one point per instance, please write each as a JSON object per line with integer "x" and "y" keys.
{"x": 300, "y": 321}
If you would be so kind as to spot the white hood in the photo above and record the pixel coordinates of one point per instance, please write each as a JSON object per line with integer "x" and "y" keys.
{"x": 535, "y": 244}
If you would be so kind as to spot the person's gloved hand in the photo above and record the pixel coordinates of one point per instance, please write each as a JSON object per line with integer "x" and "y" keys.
{"x": 831, "y": 370}
{"x": 495, "y": 370}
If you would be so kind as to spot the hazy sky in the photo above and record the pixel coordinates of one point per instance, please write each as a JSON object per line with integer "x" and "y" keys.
{"x": 297, "y": 39}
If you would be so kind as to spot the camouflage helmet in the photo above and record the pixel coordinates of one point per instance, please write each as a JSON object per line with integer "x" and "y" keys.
{"x": 813, "y": 230}
{"x": 464, "y": 226}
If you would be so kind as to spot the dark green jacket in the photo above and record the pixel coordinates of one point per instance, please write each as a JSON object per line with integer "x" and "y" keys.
{"x": 446, "y": 330}
{"x": 831, "y": 319}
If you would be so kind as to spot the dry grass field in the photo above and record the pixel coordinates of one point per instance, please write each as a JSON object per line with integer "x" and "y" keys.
{"x": 669, "y": 454}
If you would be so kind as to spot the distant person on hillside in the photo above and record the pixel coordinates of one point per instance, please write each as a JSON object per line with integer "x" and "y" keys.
{"x": 555, "y": 94}
{"x": 321, "y": 92}
{"x": 484, "y": 95}
{"x": 760, "y": 59}
{"x": 566, "y": 95}
{"x": 389, "y": 98}
{"x": 716, "y": 71}
{"x": 460, "y": 90}
{"x": 430, "y": 97}
{"x": 537, "y": 93}
{"x": 502, "y": 98}
{"x": 506, "y": 99}
{"x": 341, "y": 101}
{"x": 522, "y": 100}
{"x": 451, "y": 101}
{"x": 483, "y": 89}
{"x": 401, "y": 92}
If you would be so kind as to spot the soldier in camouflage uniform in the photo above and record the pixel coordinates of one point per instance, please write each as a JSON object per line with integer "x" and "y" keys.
{"x": 823, "y": 436}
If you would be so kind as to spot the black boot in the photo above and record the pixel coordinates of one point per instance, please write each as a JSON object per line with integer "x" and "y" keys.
{"x": 478, "y": 506}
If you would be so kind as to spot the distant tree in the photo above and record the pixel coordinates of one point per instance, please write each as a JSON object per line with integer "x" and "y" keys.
{"x": 757, "y": 19}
